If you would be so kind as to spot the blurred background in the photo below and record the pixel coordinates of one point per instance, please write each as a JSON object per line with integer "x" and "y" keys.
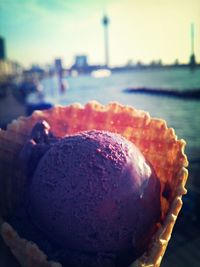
{"x": 137, "y": 52}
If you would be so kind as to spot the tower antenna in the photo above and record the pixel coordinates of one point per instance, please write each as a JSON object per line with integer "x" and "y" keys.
{"x": 192, "y": 62}
{"x": 192, "y": 39}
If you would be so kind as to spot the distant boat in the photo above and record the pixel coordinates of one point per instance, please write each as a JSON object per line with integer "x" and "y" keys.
{"x": 101, "y": 73}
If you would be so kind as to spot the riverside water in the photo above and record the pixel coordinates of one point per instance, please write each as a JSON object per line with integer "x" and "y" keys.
{"x": 181, "y": 114}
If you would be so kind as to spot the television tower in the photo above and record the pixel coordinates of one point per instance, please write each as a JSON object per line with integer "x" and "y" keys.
{"x": 105, "y": 22}
{"x": 192, "y": 62}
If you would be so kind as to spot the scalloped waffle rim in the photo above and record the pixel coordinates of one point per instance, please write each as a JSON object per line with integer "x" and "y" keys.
{"x": 158, "y": 143}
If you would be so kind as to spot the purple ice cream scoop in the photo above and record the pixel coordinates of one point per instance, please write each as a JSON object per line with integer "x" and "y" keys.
{"x": 92, "y": 192}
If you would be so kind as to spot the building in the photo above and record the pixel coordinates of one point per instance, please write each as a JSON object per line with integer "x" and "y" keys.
{"x": 81, "y": 62}
{"x": 58, "y": 65}
{"x": 2, "y": 49}
{"x": 9, "y": 68}
{"x": 80, "y": 65}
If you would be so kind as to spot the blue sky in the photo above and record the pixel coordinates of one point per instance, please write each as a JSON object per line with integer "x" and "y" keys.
{"x": 37, "y": 31}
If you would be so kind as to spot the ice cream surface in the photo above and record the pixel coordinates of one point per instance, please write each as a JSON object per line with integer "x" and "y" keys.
{"x": 92, "y": 192}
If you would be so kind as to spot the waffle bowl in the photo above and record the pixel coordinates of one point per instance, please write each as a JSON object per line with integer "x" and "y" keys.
{"x": 157, "y": 142}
